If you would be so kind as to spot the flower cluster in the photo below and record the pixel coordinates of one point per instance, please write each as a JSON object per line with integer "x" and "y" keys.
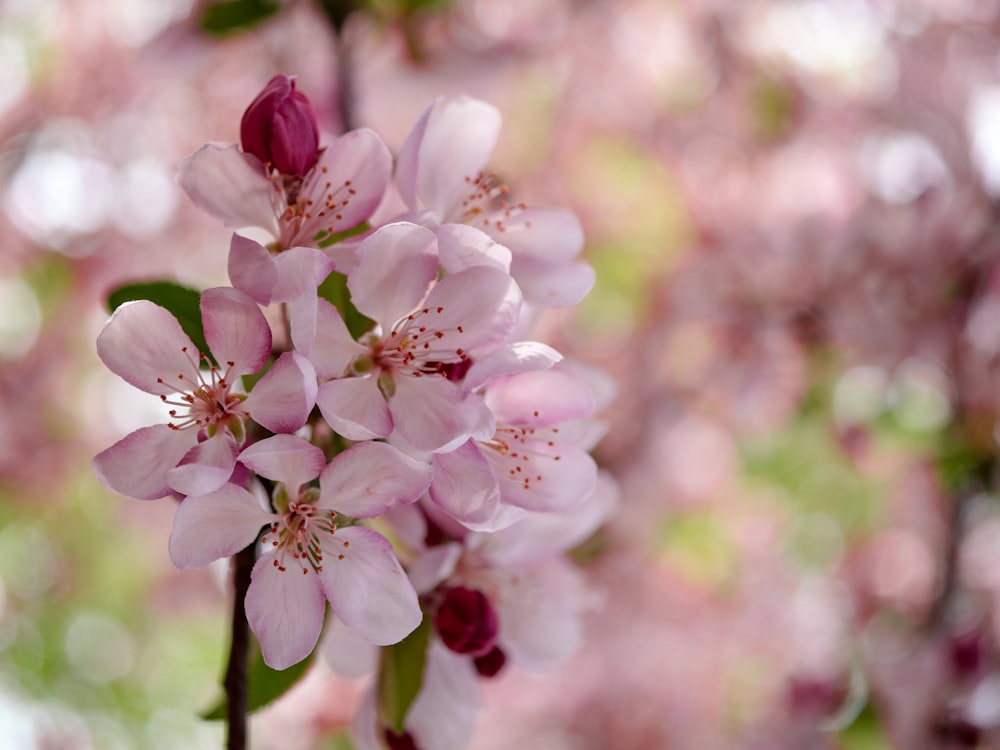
{"x": 403, "y": 406}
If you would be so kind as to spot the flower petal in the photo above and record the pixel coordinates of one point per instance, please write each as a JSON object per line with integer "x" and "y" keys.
{"x": 206, "y": 467}
{"x": 300, "y": 269}
{"x": 231, "y": 186}
{"x": 282, "y": 399}
{"x": 367, "y": 587}
{"x": 478, "y": 308}
{"x": 285, "y": 609}
{"x": 464, "y": 484}
{"x": 553, "y": 235}
{"x": 522, "y": 356}
{"x": 433, "y": 414}
{"x": 252, "y": 269}
{"x": 443, "y": 716}
{"x": 368, "y": 479}
{"x": 144, "y": 345}
{"x": 137, "y": 465}
{"x": 461, "y": 246}
{"x": 216, "y": 525}
{"x": 235, "y": 329}
{"x": 346, "y": 185}
{"x": 333, "y": 348}
{"x": 346, "y": 653}
{"x": 285, "y": 458}
{"x": 355, "y": 408}
{"x": 396, "y": 266}
{"x": 543, "y": 398}
{"x": 548, "y": 284}
{"x": 543, "y": 476}
{"x": 455, "y": 144}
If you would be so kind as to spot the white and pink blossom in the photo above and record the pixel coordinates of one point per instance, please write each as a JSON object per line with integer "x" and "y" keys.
{"x": 314, "y": 551}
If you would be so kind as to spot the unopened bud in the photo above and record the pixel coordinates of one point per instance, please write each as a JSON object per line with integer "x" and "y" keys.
{"x": 279, "y": 128}
{"x": 466, "y": 621}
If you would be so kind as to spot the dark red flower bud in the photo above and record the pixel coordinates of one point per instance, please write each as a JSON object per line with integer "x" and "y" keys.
{"x": 402, "y": 741}
{"x": 279, "y": 128}
{"x": 466, "y": 621}
{"x": 490, "y": 663}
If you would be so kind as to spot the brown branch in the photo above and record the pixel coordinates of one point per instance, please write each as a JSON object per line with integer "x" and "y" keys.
{"x": 239, "y": 650}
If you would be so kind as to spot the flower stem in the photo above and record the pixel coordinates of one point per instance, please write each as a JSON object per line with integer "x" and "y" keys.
{"x": 239, "y": 649}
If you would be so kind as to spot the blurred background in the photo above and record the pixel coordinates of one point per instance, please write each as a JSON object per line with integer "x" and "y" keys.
{"x": 792, "y": 209}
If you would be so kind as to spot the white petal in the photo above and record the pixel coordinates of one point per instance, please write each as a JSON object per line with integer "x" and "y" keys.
{"x": 548, "y": 284}
{"x": 206, "y": 467}
{"x": 285, "y": 609}
{"x": 347, "y": 654}
{"x": 220, "y": 524}
{"x": 445, "y": 710}
{"x": 478, "y": 308}
{"x": 461, "y": 246}
{"x": 333, "y": 348}
{"x": 548, "y": 234}
{"x": 523, "y": 356}
{"x": 367, "y": 587}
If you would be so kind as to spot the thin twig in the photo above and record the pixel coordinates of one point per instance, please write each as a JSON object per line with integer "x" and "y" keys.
{"x": 239, "y": 649}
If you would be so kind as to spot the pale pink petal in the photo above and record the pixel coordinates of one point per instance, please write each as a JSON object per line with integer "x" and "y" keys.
{"x": 300, "y": 269}
{"x": 347, "y": 654}
{"x": 464, "y": 484}
{"x": 231, "y": 186}
{"x": 408, "y": 159}
{"x": 542, "y": 398}
{"x": 396, "y": 266}
{"x": 409, "y": 525}
{"x": 143, "y": 343}
{"x": 461, "y": 246}
{"x": 285, "y": 458}
{"x": 477, "y": 308}
{"x": 282, "y": 399}
{"x": 369, "y": 479}
{"x": 355, "y": 408}
{"x": 433, "y": 414}
{"x": 506, "y": 515}
{"x": 219, "y": 524}
{"x": 333, "y": 348}
{"x": 552, "y": 284}
{"x": 548, "y": 234}
{"x": 539, "y": 535}
{"x": 434, "y": 565}
{"x": 540, "y": 611}
{"x": 285, "y": 609}
{"x": 367, "y": 587}
{"x": 252, "y": 269}
{"x": 456, "y": 144}
{"x": 137, "y": 465}
{"x": 236, "y": 330}
{"x": 206, "y": 467}
{"x": 523, "y": 356}
{"x": 444, "y": 713}
{"x": 346, "y": 185}
{"x": 543, "y": 476}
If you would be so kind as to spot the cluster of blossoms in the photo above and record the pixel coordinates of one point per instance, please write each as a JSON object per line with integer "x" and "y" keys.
{"x": 433, "y": 424}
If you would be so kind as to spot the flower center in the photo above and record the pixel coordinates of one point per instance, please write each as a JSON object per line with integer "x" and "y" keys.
{"x": 206, "y": 402}
{"x": 515, "y": 447}
{"x": 487, "y": 204}
{"x": 298, "y": 537}
{"x": 315, "y": 210}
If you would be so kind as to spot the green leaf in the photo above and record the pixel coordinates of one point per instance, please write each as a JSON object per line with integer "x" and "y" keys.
{"x": 182, "y": 301}
{"x": 264, "y": 685}
{"x": 325, "y": 239}
{"x": 231, "y": 16}
{"x": 334, "y": 290}
{"x": 401, "y": 673}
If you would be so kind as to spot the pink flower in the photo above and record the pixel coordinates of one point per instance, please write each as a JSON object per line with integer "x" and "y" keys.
{"x": 527, "y": 464}
{"x": 339, "y": 193}
{"x": 394, "y": 380}
{"x": 310, "y": 556}
{"x": 279, "y": 128}
{"x": 196, "y": 451}
{"x": 440, "y": 175}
